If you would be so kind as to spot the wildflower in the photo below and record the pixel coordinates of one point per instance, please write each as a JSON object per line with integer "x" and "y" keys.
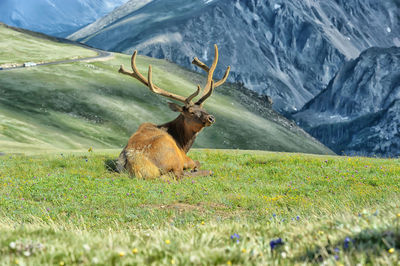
{"x": 398, "y": 215}
{"x": 297, "y": 217}
{"x": 229, "y": 262}
{"x": 337, "y": 250}
{"x": 86, "y": 247}
{"x": 244, "y": 250}
{"x": 391, "y": 251}
{"x": 275, "y": 242}
{"x": 336, "y": 257}
{"x": 62, "y": 263}
{"x": 27, "y": 253}
{"x": 13, "y": 245}
{"x": 274, "y": 215}
{"x": 121, "y": 254}
{"x": 172, "y": 262}
{"x": 347, "y": 241}
{"x": 320, "y": 233}
{"x": 135, "y": 251}
{"x": 283, "y": 254}
{"x": 167, "y": 242}
{"x": 202, "y": 222}
{"x": 90, "y": 149}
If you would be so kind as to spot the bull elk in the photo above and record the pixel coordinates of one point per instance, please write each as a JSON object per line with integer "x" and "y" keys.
{"x": 156, "y": 150}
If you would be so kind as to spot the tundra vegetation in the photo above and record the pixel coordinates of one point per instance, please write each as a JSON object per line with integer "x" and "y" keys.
{"x": 258, "y": 208}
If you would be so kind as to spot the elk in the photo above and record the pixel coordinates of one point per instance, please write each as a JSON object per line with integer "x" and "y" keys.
{"x": 157, "y": 150}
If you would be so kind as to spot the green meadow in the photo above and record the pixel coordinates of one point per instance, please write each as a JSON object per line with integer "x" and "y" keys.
{"x": 17, "y": 47}
{"x": 68, "y": 209}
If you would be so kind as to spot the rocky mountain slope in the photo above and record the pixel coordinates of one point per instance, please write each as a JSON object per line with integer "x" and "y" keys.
{"x": 359, "y": 111}
{"x": 289, "y": 50}
{"x": 54, "y": 17}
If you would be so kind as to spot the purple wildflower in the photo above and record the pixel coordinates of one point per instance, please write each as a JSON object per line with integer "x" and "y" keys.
{"x": 346, "y": 243}
{"x": 275, "y": 242}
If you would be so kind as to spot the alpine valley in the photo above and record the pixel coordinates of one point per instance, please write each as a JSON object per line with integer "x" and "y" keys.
{"x": 55, "y": 17}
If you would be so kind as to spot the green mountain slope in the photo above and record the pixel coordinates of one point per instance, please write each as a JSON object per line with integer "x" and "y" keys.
{"x": 18, "y": 46}
{"x": 89, "y": 104}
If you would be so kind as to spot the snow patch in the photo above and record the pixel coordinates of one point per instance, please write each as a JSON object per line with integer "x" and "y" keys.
{"x": 208, "y": 1}
{"x": 162, "y": 38}
{"x": 277, "y": 6}
{"x": 396, "y": 42}
{"x": 388, "y": 29}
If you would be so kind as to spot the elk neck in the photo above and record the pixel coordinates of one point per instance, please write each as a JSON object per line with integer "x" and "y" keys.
{"x": 183, "y": 134}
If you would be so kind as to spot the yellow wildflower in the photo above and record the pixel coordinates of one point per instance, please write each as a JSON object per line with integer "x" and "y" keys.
{"x": 135, "y": 250}
{"x": 229, "y": 262}
{"x": 244, "y": 250}
{"x": 167, "y": 242}
{"x": 121, "y": 254}
{"x": 391, "y": 251}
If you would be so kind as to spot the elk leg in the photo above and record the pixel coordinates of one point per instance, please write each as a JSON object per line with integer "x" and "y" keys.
{"x": 198, "y": 173}
{"x": 190, "y": 164}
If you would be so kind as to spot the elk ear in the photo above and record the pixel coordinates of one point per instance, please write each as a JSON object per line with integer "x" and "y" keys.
{"x": 174, "y": 107}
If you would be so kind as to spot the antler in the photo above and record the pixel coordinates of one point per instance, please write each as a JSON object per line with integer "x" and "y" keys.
{"x": 149, "y": 83}
{"x": 210, "y": 85}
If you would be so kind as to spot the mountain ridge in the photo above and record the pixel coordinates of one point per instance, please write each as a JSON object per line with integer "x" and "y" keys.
{"x": 358, "y": 112}
{"x": 55, "y": 17}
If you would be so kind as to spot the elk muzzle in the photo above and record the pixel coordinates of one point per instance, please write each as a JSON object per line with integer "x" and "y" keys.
{"x": 210, "y": 120}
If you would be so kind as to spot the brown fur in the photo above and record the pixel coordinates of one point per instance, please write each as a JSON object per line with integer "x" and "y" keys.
{"x": 156, "y": 150}
{"x": 153, "y": 151}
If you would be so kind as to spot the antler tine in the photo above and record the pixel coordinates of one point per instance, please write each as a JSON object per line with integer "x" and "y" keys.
{"x": 149, "y": 83}
{"x": 190, "y": 98}
{"x": 222, "y": 81}
{"x": 202, "y": 99}
{"x": 211, "y": 71}
{"x": 200, "y": 64}
{"x": 203, "y": 66}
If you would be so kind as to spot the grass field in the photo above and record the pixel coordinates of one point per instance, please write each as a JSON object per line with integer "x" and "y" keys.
{"x": 64, "y": 209}
{"x": 18, "y": 47}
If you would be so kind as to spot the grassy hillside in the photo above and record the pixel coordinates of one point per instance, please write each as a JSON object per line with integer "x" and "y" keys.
{"x": 68, "y": 209}
{"x": 81, "y": 104}
{"x": 19, "y": 46}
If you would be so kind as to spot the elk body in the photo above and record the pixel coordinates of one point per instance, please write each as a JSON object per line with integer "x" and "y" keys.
{"x": 155, "y": 150}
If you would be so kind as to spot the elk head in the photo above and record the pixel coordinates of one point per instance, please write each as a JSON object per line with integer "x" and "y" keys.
{"x": 194, "y": 115}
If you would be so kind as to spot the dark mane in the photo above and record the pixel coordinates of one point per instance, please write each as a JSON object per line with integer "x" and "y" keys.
{"x": 182, "y": 134}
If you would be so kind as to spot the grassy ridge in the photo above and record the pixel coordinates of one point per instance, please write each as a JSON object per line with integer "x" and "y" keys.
{"x": 17, "y": 47}
{"x": 81, "y": 104}
{"x": 77, "y": 105}
{"x": 65, "y": 202}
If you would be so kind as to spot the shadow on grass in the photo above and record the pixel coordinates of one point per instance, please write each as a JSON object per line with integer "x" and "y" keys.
{"x": 111, "y": 165}
{"x": 372, "y": 243}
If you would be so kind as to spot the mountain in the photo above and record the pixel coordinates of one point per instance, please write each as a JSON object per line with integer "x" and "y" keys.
{"x": 86, "y": 104}
{"x": 289, "y": 50}
{"x": 54, "y": 17}
{"x": 359, "y": 111}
